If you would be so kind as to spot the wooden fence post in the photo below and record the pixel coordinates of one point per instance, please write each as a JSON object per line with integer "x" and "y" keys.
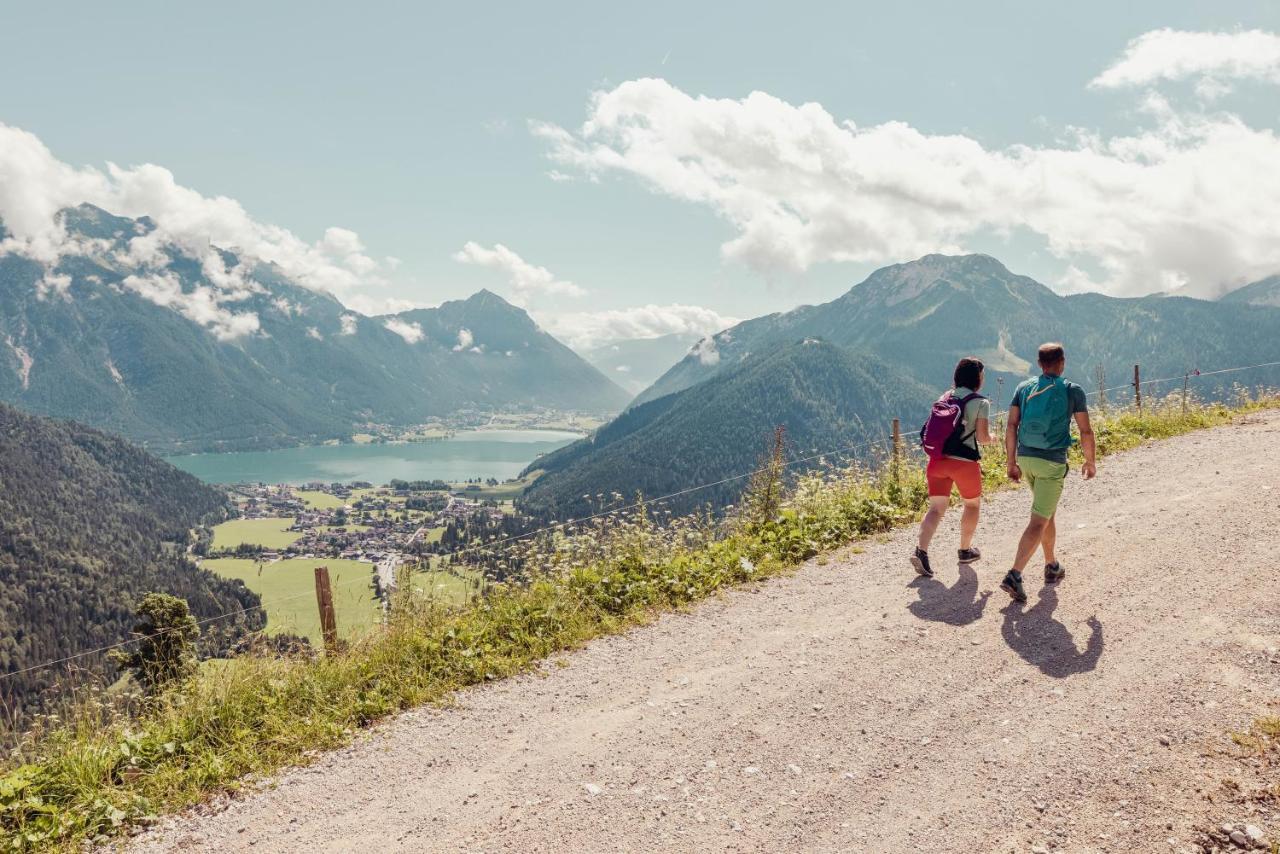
{"x": 897, "y": 451}
{"x": 324, "y": 599}
{"x": 1186, "y": 380}
{"x": 1101, "y": 375}
{"x": 1137, "y": 388}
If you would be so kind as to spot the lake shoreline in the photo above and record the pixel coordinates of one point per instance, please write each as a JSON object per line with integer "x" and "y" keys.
{"x": 481, "y": 453}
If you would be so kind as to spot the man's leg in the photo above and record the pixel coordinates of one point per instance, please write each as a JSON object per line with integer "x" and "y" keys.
{"x": 1031, "y": 538}
{"x": 1049, "y": 538}
{"x": 969, "y": 521}
{"x": 937, "y": 509}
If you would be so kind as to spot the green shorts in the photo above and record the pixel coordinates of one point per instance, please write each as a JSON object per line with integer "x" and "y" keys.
{"x": 1046, "y": 479}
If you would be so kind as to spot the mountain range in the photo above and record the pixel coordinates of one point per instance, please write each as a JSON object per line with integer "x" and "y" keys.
{"x": 89, "y": 523}
{"x": 827, "y": 397}
{"x": 924, "y": 315}
{"x": 220, "y": 352}
{"x": 882, "y": 350}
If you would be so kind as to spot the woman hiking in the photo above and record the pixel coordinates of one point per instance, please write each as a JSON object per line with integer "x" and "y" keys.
{"x": 959, "y": 423}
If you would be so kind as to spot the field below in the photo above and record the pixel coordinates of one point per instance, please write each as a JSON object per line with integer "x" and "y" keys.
{"x": 287, "y": 588}
{"x": 270, "y": 533}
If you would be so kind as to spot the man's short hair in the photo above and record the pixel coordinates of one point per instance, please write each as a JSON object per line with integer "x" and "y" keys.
{"x": 1050, "y": 354}
{"x": 968, "y": 372}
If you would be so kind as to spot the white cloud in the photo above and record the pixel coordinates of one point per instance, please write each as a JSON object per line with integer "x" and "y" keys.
{"x": 586, "y": 329}
{"x": 53, "y": 283}
{"x": 706, "y": 351}
{"x": 410, "y": 332}
{"x": 35, "y": 186}
{"x": 1213, "y": 58}
{"x": 349, "y": 323}
{"x": 201, "y": 305}
{"x": 465, "y": 341}
{"x": 527, "y": 280}
{"x": 1189, "y": 199}
{"x": 312, "y": 332}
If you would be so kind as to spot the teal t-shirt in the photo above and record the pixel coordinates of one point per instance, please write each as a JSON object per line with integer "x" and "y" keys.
{"x": 1060, "y": 431}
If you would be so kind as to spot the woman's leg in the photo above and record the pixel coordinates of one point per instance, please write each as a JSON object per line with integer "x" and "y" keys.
{"x": 937, "y": 509}
{"x": 969, "y": 521}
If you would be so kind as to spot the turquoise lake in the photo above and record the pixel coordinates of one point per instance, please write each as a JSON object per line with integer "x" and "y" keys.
{"x": 479, "y": 453}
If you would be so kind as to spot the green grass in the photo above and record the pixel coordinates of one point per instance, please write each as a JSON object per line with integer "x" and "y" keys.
{"x": 501, "y": 492}
{"x": 317, "y": 500}
{"x": 449, "y": 588}
{"x": 269, "y": 533}
{"x": 97, "y": 771}
{"x": 287, "y": 588}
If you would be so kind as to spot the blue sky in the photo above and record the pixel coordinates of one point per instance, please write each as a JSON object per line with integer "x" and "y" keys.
{"x": 410, "y": 123}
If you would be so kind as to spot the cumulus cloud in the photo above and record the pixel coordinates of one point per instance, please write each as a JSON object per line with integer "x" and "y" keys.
{"x": 349, "y": 323}
{"x": 467, "y": 341}
{"x": 1188, "y": 199}
{"x": 312, "y": 332}
{"x": 586, "y": 329}
{"x": 202, "y": 305}
{"x": 526, "y": 280}
{"x": 1212, "y": 58}
{"x": 410, "y": 332}
{"x": 35, "y": 186}
{"x": 706, "y": 351}
{"x": 55, "y": 284}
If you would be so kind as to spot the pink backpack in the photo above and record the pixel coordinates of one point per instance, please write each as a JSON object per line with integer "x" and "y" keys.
{"x": 944, "y": 431}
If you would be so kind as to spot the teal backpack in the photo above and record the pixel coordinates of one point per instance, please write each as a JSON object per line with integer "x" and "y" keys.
{"x": 1044, "y": 420}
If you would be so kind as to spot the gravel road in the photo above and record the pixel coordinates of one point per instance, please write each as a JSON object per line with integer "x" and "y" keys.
{"x": 851, "y": 707}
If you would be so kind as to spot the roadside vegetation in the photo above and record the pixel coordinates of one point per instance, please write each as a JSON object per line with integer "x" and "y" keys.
{"x": 109, "y": 766}
{"x": 287, "y": 589}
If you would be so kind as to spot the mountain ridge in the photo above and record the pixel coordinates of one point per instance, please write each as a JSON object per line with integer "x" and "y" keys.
{"x": 188, "y": 353}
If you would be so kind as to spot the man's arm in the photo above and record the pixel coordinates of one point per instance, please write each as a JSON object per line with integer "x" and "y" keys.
{"x": 1011, "y": 444}
{"x": 1087, "y": 445}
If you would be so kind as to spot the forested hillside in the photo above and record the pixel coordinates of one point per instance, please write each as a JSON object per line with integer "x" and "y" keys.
{"x": 924, "y": 315}
{"x": 825, "y": 396}
{"x": 214, "y": 351}
{"x": 88, "y": 524}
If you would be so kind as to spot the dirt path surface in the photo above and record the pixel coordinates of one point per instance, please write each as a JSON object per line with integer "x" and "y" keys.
{"x": 851, "y": 707}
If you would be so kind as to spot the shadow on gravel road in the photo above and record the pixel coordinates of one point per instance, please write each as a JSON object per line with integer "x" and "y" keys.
{"x": 957, "y": 605}
{"x": 1043, "y": 641}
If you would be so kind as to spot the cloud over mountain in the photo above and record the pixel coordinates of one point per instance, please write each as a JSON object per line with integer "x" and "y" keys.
{"x": 526, "y": 280}
{"x": 1188, "y": 199}
{"x": 586, "y": 329}
{"x": 36, "y": 187}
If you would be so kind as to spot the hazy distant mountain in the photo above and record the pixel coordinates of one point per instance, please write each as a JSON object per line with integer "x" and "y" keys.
{"x": 1265, "y": 292}
{"x": 827, "y": 398}
{"x": 635, "y": 363}
{"x": 922, "y": 316}
{"x": 88, "y": 525}
{"x": 143, "y": 339}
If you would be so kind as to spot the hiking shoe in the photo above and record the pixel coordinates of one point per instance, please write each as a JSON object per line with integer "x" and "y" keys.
{"x": 970, "y": 555}
{"x": 920, "y": 560}
{"x": 1053, "y": 573}
{"x": 1012, "y": 585}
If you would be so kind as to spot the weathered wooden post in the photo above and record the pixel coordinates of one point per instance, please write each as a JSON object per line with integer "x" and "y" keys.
{"x": 1137, "y": 388}
{"x": 324, "y": 599}
{"x": 1101, "y": 375}
{"x": 897, "y": 452}
{"x": 1186, "y": 381}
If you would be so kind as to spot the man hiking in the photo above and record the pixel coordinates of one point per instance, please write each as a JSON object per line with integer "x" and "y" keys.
{"x": 958, "y": 424}
{"x": 1036, "y": 442}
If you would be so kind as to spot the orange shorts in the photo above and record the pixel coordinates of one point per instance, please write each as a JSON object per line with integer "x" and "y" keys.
{"x": 965, "y": 474}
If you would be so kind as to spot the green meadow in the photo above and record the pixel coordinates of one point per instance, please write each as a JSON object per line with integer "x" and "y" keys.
{"x": 319, "y": 500}
{"x": 287, "y": 588}
{"x": 269, "y": 533}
